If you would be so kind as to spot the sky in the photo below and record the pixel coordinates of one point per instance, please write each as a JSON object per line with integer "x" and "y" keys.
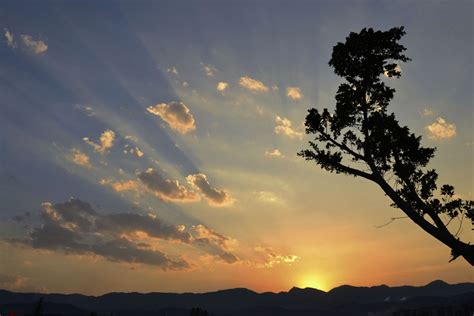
{"x": 151, "y": 145}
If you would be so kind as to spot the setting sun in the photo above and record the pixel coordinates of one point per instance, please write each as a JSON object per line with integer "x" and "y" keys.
{"x": 312, "y": 281}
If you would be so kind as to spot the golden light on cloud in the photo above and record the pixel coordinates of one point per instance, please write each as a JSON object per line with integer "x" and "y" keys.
{"x": 441, "y": 129}
{"x": 294, "y": 93}
{"x": 253, "y": 85}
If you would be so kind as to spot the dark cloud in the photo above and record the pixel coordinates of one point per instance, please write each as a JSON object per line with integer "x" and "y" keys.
{"x": 214, "y": 196}
{"x": 176, "y": 114}
{"x": 166, "y": 189}
{"x": 215, "y": 243}
{"x": 75, "y": 227}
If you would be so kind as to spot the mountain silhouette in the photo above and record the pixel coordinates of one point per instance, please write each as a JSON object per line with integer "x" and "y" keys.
{"x": 343, "y": 300}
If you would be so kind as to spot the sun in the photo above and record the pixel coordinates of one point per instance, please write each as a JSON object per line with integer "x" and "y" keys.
{"x": 312, "y": 281}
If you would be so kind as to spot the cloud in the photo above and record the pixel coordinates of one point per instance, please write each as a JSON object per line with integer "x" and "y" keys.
{"x": 10, "y": 39}
{"x": 12, "y": 282}
{"x": 441, "y": 129}
{"x": 172, "y": 70}
{"x": 106, "y": 140}
{"x": 87, "y": 110}
{"x": 209, "y": 69}
{"x": 221, "y": 86}
{"x": 74, "y": 227}
{"x": 216, "y": 197}
{"x": 427, "y": 112}
{"x": 294, "y": 93}
{"x": 129, "y": 185}
{"x": 253, "y": 84}
{"x": 36, "y": 47}
{"x": 271, "y": 258}
{"x": 268, "y": 197}
{"x": 284, "y": 127}
{"x": 127, "y": 149}
{"x": 274, "y": 153}
{"x": 176, "y": 114}
{"x": 79, "y": 158}
{"x": 166, "y": 189}
{"x": 215, "y": 243}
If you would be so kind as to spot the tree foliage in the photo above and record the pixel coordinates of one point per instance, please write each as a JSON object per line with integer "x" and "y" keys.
{"x": 363, "y": 139}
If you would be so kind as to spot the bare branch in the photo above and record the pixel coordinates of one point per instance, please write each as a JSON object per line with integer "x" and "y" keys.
{"x": 390, "y": 221}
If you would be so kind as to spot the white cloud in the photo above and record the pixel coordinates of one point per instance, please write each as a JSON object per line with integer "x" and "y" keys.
{"x": 274, "y": 153}
{"x": 271, "y": 258}
{"x": 106, "y": 141}
{"x": 427, "y": 112}
{"x": 172, "y": 70}
{"x": 209, "y": 69}
{"x": 79, "y": 158}
{"x": 253, "y": 85}
{"x": 294, "y": 93}
{"x": 221, "y": 86}
{"x": 268, "y": 197}
{"x": 10, "y": 39}
{"x": 217, "y": 197}
{"x": 127, "y": 149}
{"x": 441, "y": 129}
{"x": 176, "y": 114}
{"x": 284, "y": 127}
{"x": 37, "y": 47}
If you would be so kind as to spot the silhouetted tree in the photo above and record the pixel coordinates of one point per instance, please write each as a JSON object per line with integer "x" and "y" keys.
{"x": 196, "y": 311}
{"x": 39, "y": 308}
{"x": 360, "y": 138}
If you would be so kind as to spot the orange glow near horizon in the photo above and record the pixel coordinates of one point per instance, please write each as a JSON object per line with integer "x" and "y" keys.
{"x": 312, "y": 281}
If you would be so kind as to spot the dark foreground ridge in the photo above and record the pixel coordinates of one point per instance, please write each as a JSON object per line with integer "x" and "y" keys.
{"x": 435, "y": 298}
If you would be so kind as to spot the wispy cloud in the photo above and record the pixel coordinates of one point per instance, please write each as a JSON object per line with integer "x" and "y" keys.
{"x": 427, "y": 112}
{"x": 216, "y": 197}
{"x": 284, "y": 127}
{"x": 209, "y": 69}
{"x": 271, "y": 258}
{"x": 79, "y": 158}
{"x": 215, "y": 243}
{"x": 172, "y": 70}
{"x": 294, "y": 93}
{"x": 106, "y": 141}
{"x": 35, "y": 46}
{"x": 127, "y": 149}
{"x": 274, "y": 153}
{"x": 441, "y": 129}
{"x": 176, "y": 114}
{"x": 10, "y": 38}
{"x": 253, "y": 85}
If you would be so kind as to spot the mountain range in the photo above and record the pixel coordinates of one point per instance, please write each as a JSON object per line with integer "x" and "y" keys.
{"x": 435, "y": 298}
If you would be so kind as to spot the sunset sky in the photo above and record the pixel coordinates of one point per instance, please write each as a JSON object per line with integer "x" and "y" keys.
{"x": 151, "y": 145}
